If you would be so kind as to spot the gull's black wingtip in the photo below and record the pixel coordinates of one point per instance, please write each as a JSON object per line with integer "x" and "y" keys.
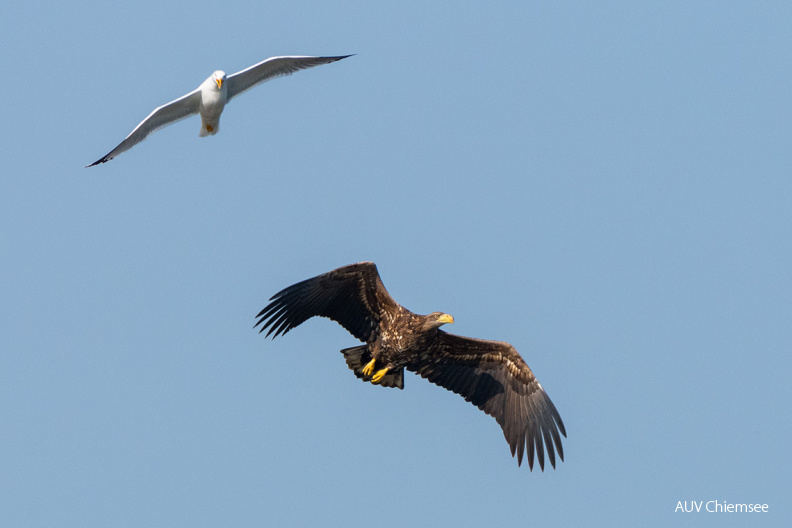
{"x": 97, "y": 162}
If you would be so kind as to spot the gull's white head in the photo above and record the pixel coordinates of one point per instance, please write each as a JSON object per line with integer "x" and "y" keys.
{"x": 219, "y": 78}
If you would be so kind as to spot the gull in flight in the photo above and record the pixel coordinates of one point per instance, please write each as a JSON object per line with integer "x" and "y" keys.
{"x": 210, "y": 98}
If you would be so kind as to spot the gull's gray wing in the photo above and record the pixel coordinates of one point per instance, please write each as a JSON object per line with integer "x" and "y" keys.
{"x": 271, "y": 68}
{"x": 162, "y": 116}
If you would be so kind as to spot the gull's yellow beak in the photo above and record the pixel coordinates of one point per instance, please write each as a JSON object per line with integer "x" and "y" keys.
{"x": 219, "y": 83}
{"x": 445, "y": 318}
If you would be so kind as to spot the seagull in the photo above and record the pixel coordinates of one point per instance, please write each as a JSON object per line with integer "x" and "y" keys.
{"x": 211, "y": 96}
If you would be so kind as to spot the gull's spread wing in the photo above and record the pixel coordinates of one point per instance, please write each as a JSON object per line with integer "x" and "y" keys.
{"x": 162, "y": 116}
{"x": 271, "y": 68}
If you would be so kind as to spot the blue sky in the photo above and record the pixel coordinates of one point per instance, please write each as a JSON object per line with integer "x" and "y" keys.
{"x": 607, "y": 187}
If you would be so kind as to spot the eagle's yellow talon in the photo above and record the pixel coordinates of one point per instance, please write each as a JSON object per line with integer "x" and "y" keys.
{"x": 379, "y": 375}
{"x": 369, "y": 368}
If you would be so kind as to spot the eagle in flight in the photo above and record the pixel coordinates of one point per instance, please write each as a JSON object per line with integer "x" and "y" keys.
{"x": 489, "y": 374}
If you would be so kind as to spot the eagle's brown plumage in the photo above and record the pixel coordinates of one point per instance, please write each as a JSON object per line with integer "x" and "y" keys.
{"x": 489, "y": 374}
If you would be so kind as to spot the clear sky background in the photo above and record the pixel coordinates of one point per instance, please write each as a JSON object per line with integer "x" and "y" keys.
{"x": 605, "y": 186}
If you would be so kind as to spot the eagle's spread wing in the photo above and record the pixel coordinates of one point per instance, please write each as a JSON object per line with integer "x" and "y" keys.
{"x": 494, "y": 377}
{"x": 353, "y": 296}
{"x": 271, "y": 68}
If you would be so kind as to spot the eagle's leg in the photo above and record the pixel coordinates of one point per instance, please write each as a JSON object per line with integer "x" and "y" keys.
{"x": 379, "y": 374}
{"x": 369, "y": 368}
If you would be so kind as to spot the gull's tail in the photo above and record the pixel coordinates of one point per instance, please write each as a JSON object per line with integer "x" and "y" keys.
{"x": 208, "y": 129}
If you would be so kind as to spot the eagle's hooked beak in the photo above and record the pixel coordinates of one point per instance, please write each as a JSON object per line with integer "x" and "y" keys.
{"x": 445, "y": 318}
